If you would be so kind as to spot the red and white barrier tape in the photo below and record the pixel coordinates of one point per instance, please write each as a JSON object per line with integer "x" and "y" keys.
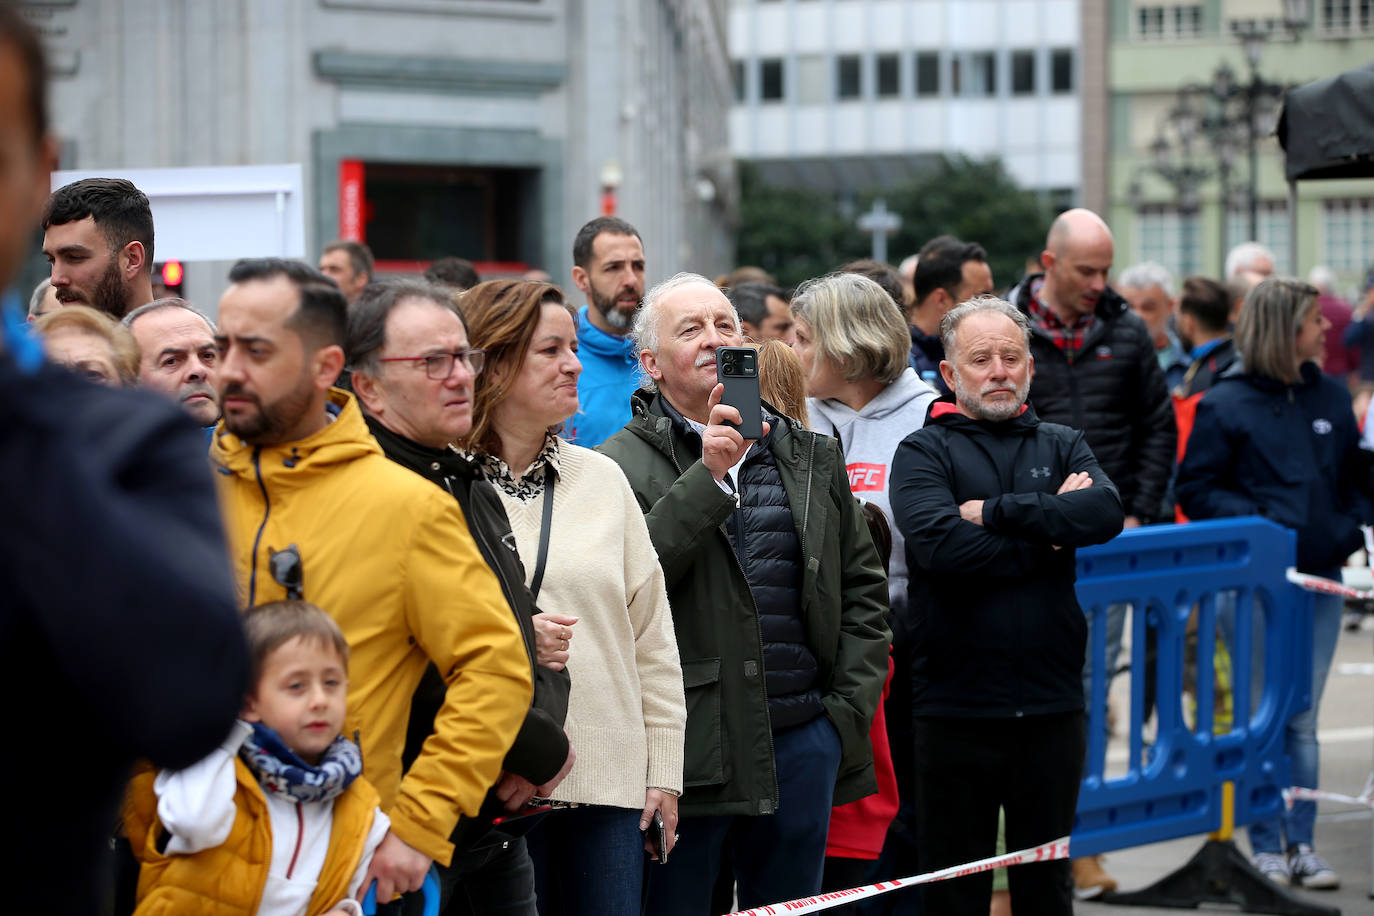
{"x": 1300, "y": 792}
{"x": 1312, "y": 583}
{"x": 1046, "y": 852}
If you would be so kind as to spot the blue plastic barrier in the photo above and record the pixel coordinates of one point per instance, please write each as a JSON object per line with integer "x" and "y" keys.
{"x": 1174, "y": 788}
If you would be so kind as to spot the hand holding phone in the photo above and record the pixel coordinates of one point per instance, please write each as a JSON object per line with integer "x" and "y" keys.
{"x": 737, "y": 368}
{"x": 656, "y": 838}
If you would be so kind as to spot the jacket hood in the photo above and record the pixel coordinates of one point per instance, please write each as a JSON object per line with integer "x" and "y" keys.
{"x": 592, "y": 338}
{"x": 1309, "y": 375}
{"x": 344, "y": 439}
{"x": 947, "y": 413}
{"x": 908, "y": 394}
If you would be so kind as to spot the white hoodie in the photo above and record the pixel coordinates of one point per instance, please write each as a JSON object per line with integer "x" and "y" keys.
{"x": 869, "y": 438}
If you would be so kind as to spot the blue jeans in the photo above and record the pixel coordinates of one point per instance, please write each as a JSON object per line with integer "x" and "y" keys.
{"x": 588, "y": 861}
{"x": 1297, "y": 823}
{"x": 775, "y": 857}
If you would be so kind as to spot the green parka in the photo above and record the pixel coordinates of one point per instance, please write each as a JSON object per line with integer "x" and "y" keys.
{"x": 728, "y": 767}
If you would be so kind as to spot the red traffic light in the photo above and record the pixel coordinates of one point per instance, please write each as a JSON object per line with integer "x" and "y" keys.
{"x": 172, "y": 274}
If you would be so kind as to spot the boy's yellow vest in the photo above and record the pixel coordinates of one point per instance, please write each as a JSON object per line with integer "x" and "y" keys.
{"x": 227, "y": 880}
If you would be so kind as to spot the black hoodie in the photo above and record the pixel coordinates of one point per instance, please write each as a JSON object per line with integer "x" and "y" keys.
{"x": 994, "y": 620}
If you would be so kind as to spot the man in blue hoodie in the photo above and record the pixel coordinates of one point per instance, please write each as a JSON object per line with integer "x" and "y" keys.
{"x": 608, "y": 266}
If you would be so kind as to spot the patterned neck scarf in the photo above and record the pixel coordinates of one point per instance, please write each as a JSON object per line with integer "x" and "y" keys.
{"x": 530, "y": 484}
{"x": 282, "y": 773}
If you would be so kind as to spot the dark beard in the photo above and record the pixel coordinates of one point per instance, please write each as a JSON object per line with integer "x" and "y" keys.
{"x": 272, "y": 424}
{"x": 109, "y": 295}
{"x": 614, "y": 316}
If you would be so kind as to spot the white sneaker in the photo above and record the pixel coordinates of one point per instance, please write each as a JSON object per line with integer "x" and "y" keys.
{"x": 1274, "y": 867}
{"x": 1311, "y": 870}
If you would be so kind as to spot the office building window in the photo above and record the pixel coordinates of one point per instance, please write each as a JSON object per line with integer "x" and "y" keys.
{"x": 982, "y": 75}
{"x": 1162, "y": 21}
{"x": 1272, "y": 224}
{"x": 737, "y": 78}
{"x": 1061, "y": 71}
{"x": 1345, "y": 17}
{"x": 848, "y": 84}
{"x": 770, "y": 80}
{"x": 1023, "y": 73}
{"x": 1169, "y": 237}
{"x": 813, "y": 79}
{"x": 927, "y": 73}
{"x": 1348, "y": 235}
{"x": 889, "y": 76}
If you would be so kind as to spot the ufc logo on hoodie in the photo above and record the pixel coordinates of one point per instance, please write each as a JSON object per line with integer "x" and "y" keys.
{"x": 866, "y": 478}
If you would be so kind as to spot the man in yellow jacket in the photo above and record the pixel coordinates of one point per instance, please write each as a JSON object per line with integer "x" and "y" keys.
{"x": 315, "y": 510}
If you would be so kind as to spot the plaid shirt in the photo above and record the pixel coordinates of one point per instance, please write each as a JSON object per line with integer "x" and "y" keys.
{"x": 1067, "y": 337}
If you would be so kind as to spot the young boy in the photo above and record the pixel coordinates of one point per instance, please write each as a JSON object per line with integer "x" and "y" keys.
{"x": 278, "y": 821}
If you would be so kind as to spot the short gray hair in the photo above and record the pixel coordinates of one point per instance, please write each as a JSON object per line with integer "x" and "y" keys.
{"x": 855, "y": 325}
{"x": 171, "y": 302}
{"x": 644, "y": 329}
{"x": 367, "y": 318}
{"x": 1243, "y": 255}
{"x": 949, "y": 325}
{"x": 1146, "y": 275}
{"x": 39, "y": 291}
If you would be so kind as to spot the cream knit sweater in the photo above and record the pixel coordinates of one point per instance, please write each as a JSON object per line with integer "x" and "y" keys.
{"x": 626, "y": 712}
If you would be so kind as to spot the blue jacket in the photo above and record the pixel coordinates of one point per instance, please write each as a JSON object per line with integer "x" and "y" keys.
{"x": 926, "y": 353}
{"x": 610, "y": 372}
{"x": 1287, "y": 452}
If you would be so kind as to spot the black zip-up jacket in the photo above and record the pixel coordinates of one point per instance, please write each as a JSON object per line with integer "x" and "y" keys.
{"x": 1287, "y": 452}
{"x": 119, "y": 628}
{"x": 541, "y": 746}
{"x": 1203, "y": 373}
{"x": 1114, "y": 391}
{"x": 996, "y": 627}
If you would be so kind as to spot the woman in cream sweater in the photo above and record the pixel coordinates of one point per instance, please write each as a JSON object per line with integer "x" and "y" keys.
{"x": 603, "y": 597}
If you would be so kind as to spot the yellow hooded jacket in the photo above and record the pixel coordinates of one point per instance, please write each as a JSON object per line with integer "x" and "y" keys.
{"x": 389, "y": 556}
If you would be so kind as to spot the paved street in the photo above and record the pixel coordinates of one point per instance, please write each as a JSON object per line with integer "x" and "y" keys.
{"x": 1346, "y": 732}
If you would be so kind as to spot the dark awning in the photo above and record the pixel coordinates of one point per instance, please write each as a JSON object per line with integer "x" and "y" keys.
{"x": 1327, "y": 127}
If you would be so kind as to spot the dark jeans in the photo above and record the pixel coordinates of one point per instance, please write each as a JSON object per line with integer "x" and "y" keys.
{"x": 775, "y": 857}
{"x": 589, "y": 860}
{"x": 965, "y": 770}
{"x": 496, "y": 879}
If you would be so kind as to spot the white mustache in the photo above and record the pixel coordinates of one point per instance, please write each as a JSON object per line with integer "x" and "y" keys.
{"x": 705, "y": 359}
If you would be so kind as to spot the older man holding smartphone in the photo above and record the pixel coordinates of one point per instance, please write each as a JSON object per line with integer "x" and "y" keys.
{"x": 778, "y": 599}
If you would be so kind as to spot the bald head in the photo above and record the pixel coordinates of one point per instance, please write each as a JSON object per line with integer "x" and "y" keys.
{"x": 1077, "y": 259}
{"x": 1077, "y": 227}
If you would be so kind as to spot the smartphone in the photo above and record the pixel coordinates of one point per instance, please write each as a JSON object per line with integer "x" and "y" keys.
{"x": 737, "y": 368}
{"x": 657, "y": 835}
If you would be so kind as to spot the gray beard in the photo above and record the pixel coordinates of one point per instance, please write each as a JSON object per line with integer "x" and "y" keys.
{"x": 617, "y": 319}
{"x": 998, "y": 412}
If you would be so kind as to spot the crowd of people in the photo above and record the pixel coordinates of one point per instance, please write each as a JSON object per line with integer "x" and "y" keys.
{"x": 383, "y": 578}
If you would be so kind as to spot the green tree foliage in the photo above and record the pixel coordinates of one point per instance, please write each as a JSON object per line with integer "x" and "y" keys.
{"x": 793, "y": 233}
{"x": 798, "y": 233}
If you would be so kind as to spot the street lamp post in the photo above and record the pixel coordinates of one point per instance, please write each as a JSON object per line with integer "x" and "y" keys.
{"x": 1227, "y": 114}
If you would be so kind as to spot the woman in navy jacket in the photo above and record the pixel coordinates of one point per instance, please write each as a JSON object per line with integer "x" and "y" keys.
{"x": 1280, "y": 440}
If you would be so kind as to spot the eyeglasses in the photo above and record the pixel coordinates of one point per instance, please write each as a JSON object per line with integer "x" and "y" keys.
{"x": 287, "y": 570}
{"x": 440, "y": 365}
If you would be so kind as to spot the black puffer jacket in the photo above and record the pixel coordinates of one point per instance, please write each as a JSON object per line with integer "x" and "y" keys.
{"x": 1114, "y": 391}
{"x": 996, "y": 626}
{"x": 764, "y": 537}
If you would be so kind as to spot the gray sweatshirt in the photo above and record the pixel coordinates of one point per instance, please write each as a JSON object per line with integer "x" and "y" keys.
{"x": 869, "y": 438}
